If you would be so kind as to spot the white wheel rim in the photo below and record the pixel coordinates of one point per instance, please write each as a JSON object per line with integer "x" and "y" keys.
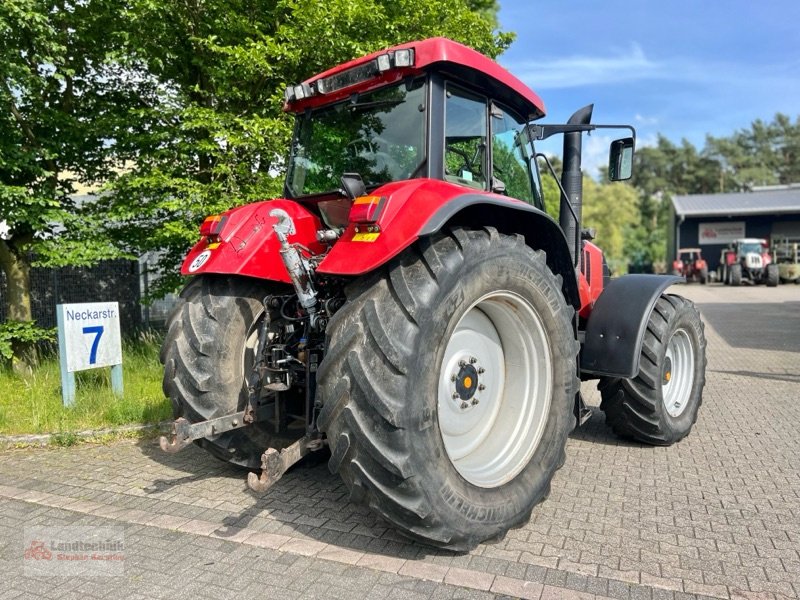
{"x": 495, "y": 385}
{"x": 678, "y": 374}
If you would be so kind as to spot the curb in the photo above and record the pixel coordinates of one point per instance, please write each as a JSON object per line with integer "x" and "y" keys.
{"x": 46, "y": 439}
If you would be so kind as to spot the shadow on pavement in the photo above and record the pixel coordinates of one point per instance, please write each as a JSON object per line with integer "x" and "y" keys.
{"x": 596, "y": 431}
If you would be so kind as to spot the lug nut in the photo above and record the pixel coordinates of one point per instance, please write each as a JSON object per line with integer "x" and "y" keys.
{"x": 481, "y": 387}
{"x": 464, "y": 405}
{"x": 462, "y": 363}
{"x": 472, "y": 360}
{"x": 455, "y": 395}
{"x": 475, "y": 401}
{"x": 453, "y": 377}
{"x": 481, "y": 370}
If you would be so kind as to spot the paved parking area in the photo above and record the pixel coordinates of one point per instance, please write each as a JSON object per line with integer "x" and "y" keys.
{"x": 717, "y": 515}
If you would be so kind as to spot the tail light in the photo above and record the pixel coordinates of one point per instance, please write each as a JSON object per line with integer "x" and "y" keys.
{"x": 366, "y": 209}
{"x": 212, "y": 226}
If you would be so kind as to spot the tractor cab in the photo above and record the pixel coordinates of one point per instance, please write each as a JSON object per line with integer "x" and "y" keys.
{"x": 431, "y": 109}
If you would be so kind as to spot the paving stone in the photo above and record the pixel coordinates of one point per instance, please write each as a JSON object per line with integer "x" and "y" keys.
{"x": 717, "y": 513}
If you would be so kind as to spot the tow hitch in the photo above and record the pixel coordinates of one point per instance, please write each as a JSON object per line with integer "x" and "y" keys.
{"x": 184, "y": 433}
{"x": 274, "y": 464}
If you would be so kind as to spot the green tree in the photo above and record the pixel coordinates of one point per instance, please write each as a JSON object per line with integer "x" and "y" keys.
{"x": 610, "y": 209}
{"x": 210, "y": 132}
{"x": 764, "y": 154}
{"x": 57, "y": 95}
{"x": 660, "y": 172}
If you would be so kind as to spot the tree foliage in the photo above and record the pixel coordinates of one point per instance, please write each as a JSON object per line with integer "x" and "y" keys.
{"x": 174, "y": 106}
{"x": 210, "y": 132}
{"x": 763, "y": 154}
{"x": 57, "y": 94}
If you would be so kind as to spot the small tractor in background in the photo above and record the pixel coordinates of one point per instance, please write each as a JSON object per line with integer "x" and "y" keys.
{"x": 690, "y": 265}
{"x": 748, "y": 260}
{"x": 410, "y": 307}
{"x": 786, "y": 252}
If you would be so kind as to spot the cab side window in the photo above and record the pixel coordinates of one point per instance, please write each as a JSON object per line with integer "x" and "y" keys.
{"x": 511, "y": 152}
{"x": 465, "y": 155}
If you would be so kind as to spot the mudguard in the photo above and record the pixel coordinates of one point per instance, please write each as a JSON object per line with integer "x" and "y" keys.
{"x": 616, "y": 327}
{"x": 421, "y": 207}
{"x": 247, "y": 245}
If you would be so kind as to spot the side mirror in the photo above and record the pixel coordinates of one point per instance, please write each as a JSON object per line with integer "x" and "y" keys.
{"x": 353, "y": 185}
{"x": 620, "y": 159}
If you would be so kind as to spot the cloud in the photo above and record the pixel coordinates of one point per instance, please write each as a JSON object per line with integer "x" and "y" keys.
{"x": 575, "y": 71}
{"x": 643, "y": 120}
{"x": 634, "y": 65}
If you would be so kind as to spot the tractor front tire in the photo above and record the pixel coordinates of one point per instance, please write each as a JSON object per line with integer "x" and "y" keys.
{"x": 207, "y": 354}
{"x": 448, "y": 387}
{"x": 660, "y": 405}
{"x": 736, "y": 274}
{"x": 773, "y": 276}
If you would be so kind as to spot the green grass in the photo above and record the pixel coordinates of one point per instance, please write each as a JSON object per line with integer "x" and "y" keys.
{"x": 32, "y": 403}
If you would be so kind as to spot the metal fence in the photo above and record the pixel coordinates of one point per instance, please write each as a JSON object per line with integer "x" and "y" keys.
{"x": 108, "y": 281}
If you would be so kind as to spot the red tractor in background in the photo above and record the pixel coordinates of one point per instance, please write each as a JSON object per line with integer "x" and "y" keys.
{"x": 748, "y": 259}
{"x": 690, "y": 265}
{"x": 410, "y": 306}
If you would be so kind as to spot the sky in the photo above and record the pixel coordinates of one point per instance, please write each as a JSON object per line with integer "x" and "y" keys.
{"x": 677, "y": 67}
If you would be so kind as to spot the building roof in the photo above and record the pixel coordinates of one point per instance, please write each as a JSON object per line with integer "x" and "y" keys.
{"x": 764, "y": 201}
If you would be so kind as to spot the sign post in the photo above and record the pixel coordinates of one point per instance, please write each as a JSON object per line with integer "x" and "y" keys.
{"x": 88, "y": 338}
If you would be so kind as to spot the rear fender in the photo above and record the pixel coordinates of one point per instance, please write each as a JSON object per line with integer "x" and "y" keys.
{"x": 616, "y": 327}
{"x": 413, "y": 209}
{"x": 247, "y": 244}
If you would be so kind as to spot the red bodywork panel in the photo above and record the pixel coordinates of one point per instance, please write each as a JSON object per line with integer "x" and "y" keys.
{"x": 247, "y": 244}
{"x": 426, "y": 53}
{"x": 590, "y": 280}
{"x": 408, "y": 205}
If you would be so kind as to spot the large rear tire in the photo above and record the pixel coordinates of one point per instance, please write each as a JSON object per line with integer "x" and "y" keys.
{"x": 448, "y": 386}
{"x": 207, "y": 354}
{"x": 660, "y": 405}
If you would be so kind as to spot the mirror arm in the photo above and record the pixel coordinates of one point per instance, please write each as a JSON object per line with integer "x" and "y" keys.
{"x": 542, "y": 132}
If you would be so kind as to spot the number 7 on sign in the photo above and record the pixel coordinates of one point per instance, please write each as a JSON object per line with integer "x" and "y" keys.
{"x": 97, "y": 330}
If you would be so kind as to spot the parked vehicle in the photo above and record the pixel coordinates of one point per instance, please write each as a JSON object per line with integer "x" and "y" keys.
{"x": 748, "y": 260}
{"x": 690, "y": 265}
{"x": 787, "y": 255}
{"x": 410, "y": 306}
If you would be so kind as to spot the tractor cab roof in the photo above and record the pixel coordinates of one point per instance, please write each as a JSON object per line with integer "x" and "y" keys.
{"x": 411, "y": 59}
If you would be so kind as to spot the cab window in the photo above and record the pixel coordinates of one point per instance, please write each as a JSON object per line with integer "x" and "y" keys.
{"x": 511, "y": 153}
{"x": 465, "y": 155}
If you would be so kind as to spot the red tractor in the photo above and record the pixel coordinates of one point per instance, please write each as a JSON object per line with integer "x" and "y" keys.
{"x": 690, "y": 265}
{"x": 748, "y": 259}
{"x": 410, "y": 306}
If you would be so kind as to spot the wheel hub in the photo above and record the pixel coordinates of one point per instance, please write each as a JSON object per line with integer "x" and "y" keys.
{"x": 677, "y": 375}
{"x": 667, "y": 372}
{"x": 495, "y": 384}
{"x": 467, "y": 382}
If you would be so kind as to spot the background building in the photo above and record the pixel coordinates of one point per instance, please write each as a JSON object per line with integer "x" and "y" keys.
{"x": 712, "y": 221}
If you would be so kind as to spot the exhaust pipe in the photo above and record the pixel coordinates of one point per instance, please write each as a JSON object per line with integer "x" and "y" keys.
{"x": 572, "y": 178}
